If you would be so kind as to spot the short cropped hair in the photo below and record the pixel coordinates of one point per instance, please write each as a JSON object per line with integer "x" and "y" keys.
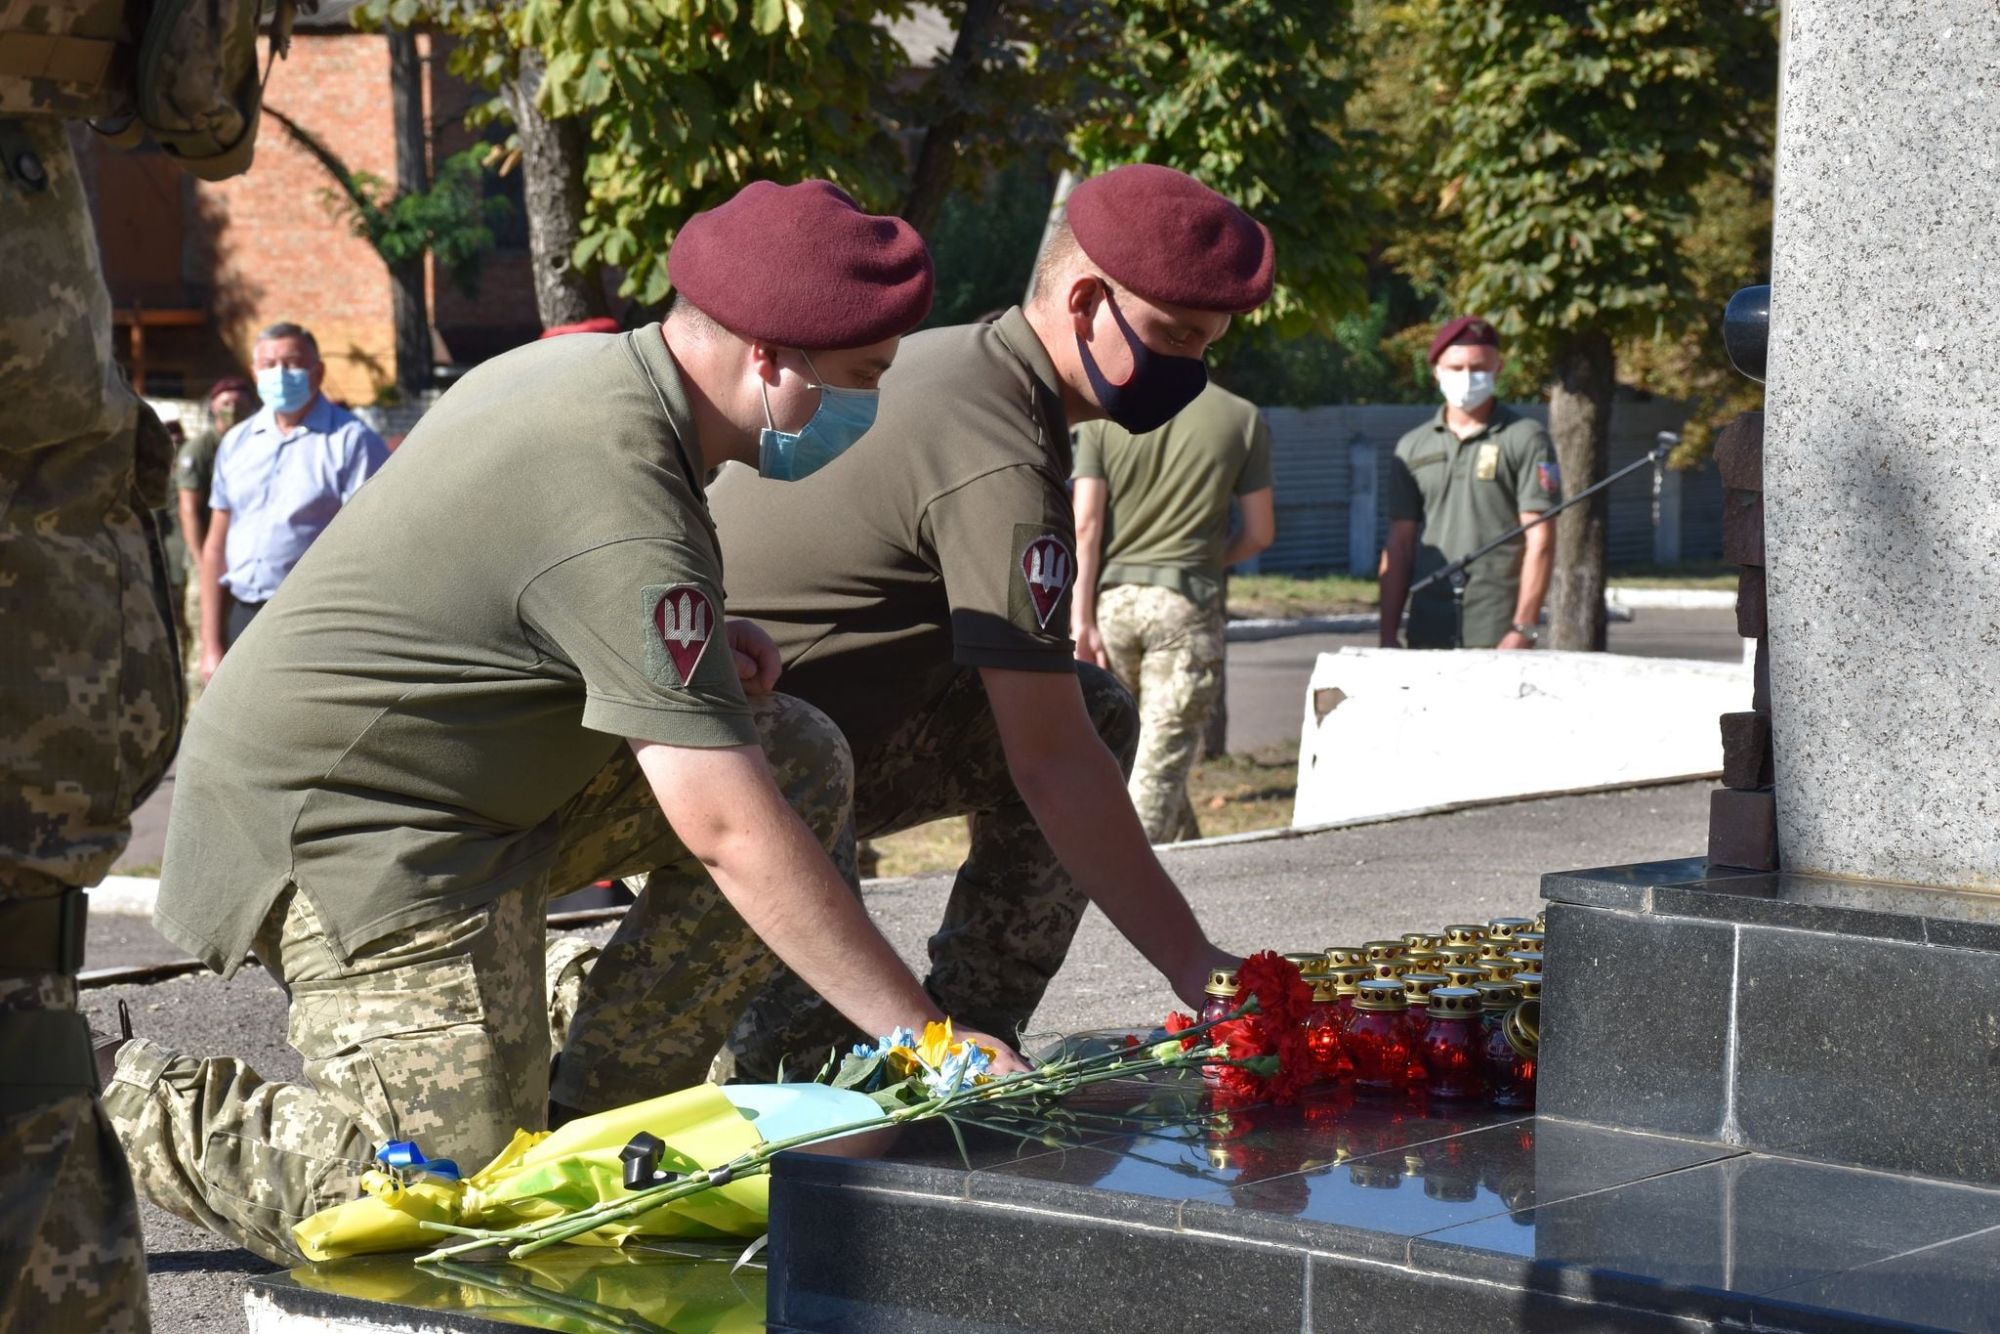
{"x": 696, "y": 320}
{"x": 286, "y": 329}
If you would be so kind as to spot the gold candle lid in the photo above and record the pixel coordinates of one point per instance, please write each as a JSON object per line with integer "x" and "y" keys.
{"x": 1498, "y": 995}
{"x": 1464, "y": 974}
{"x": 1459, "y": 953}
{"x": 1221, "y": 982}
{"x": 1503, "y": 928}
{"x": 1340, "y": 956}
{"x": 1530, "y": 960}
{"x": 1325, "y": 989}
{"x": 1427, "y": 961}
{"x": 1499, "y": 970}
{"x": 1310, "y": 962}
{"x": 1542, "y": 921}
{"x": 1377, "y": 950}
{"x": 1379, "y": 993}
{"x": 1464, "y": 933}
{"x": 1530, "y": 985}
{"x": 1494, "y": 947}
{"x": 1529, "y": 940}
{"x": 1348, "y": 978}
{"x": 1421, "y": 940}
{"x": 1392, "y": 969}
{"x": 1417, "y": 987}
{"x": 1453, "y": 1003}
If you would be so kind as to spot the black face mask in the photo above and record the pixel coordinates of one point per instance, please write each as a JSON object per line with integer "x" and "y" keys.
{"x": 1158, "y": 388}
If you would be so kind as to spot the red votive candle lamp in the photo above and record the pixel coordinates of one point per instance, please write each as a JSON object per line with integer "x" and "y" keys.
{"x": 1454, "y": 1065}
{"x": 1378, "y": 1037}
{"x": 1323, "y": 1024}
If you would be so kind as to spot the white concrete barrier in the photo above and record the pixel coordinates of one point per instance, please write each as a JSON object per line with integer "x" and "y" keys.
{"x": 1389, "y": 730}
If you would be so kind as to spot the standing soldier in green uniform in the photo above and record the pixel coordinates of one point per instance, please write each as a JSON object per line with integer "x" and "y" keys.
{"x": 501, "y": 673}
{"x": 90, "y": 698}
{"x": 1458, "y": 482}
{"x": 919, "y": 587}
{"x": 1152, "y": 542}
{"x": 230, "y": 400}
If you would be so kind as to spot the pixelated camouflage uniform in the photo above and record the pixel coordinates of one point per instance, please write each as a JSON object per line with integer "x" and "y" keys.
{"x": 1168, "y": 650}
{"x": 1007, "y": 926}
{"x": 440, "y": 1032}
{"x": 90, "y": 710}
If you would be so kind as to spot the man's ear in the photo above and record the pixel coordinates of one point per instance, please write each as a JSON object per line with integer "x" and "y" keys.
{"x": 764, "y": 361}
{"x": 1085, "y": 292}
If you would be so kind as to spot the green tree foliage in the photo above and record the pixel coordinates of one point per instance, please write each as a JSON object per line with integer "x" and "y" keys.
{"x": 1250, "y": 96}
{"x": 688, "y": 100}
{"x": 984, "y": 244}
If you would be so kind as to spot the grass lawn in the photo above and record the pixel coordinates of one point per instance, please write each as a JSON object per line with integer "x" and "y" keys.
{"x": 1283, "y": 596}
{"x": 1232, "y": 794}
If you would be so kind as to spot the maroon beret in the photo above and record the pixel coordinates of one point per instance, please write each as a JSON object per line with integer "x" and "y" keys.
{"x": 1169, "y": 238}
{"x": 802, "y": 266}
{"x": 595, "y": 324}
{"x": 1469, "y": 329}
{"x": 231, "y": 384}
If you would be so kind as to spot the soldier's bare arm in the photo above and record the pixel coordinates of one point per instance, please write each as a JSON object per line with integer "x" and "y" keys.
{"x": 726, "y": 809}
{"x": 214, "y": 597}
{"x": 1537, "y": 563}
{"x": 1259, "y": 530}
{"x": 1088, "y": 496}
{"x": 1401, "y": 557}
{"x": 1074, "y": 787}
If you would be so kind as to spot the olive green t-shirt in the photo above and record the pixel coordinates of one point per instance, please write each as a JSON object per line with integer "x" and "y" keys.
{"x": 1465, "y": 493}
{"x": 942, "y": 540}
{"x": 1169, "y": 491}
{"x": 532, "y": 579}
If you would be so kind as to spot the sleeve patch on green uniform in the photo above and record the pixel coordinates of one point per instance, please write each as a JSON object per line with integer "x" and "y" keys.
{"x": 1044, "y": 568}
{"x": 680, "y": 620}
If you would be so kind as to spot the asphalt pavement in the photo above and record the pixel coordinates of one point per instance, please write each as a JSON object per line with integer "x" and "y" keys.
{"x": 1340, "y": 887}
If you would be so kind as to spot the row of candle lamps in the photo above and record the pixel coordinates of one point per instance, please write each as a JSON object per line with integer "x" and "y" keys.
{"x": 1455, "y": 1013}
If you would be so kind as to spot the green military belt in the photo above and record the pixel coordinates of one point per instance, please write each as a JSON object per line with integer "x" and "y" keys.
{"x": 43, "y": 935}
{"x": 44, "y": 1055}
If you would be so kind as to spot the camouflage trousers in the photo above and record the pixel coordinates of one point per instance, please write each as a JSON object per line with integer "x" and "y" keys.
{"x": 1013, "y": 909}
{"x": 89, "y": 717}
{"x": 439, "y": 1032}
{"x": 1168, "y": 651}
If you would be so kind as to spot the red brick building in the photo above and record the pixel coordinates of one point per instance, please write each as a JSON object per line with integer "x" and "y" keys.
{"x": 196, "y": 268}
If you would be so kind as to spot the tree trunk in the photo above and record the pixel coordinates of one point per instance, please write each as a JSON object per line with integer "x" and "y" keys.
{"x": 553, "y": 155}
{"x": 1580, "y": 423}
{"x": 409, "y": 304}
{"x": 930, "y": 180}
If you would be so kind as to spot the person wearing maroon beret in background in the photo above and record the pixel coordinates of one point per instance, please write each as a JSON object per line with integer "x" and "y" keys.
{"x": 501, "y": 674}
{"x": 1457, "y": 482}
{"x": 919, "y": 590}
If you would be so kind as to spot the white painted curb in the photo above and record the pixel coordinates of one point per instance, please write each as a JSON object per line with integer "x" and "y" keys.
{"x": 1671, "y": 599}
{"x": 131, "y": 894}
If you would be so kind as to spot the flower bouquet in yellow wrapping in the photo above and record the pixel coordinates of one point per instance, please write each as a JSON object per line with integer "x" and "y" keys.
{"x": 693, "y": 1164}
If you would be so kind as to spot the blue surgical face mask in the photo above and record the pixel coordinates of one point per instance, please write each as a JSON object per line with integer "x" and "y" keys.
{"x": 285, "y": 388}
{"x": 843, "y": 417}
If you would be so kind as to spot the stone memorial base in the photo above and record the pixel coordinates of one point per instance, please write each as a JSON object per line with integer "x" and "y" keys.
{"x": 1842, "y": 1020}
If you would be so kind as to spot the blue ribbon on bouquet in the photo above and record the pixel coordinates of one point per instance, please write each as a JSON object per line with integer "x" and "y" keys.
{"x": 403, "y": 1155}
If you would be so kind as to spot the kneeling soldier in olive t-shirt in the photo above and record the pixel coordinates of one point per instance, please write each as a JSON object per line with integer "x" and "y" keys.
{"x": 502, "y": 673}
{"x": 919, "y": 590}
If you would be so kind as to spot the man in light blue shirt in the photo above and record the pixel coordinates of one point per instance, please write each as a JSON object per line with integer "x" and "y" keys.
{"x": 280, "y": 477}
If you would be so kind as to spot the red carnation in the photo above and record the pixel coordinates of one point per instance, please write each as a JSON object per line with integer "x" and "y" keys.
{"x": 1177, "y": 1022}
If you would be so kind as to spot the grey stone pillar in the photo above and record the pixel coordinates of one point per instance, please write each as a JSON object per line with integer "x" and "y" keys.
{"x": 1882, "y": 455}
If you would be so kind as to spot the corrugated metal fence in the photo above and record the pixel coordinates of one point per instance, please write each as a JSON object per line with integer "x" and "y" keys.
{"x": 1328, "y": 464}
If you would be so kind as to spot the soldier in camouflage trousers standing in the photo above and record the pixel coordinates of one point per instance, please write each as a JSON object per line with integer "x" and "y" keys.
{"x": 1152, "y": 542}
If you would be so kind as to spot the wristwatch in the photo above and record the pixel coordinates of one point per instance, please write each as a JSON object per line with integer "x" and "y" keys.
{"x": 1527, "y": 632}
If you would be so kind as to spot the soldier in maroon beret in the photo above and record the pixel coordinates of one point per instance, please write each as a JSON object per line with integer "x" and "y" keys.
{"x": 1457, "y": 482}
{"x": 919, "y": 590}
{"x": 504, "y": 673}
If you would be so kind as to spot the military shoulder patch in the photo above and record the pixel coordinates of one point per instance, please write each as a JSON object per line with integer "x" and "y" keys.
{"x": 1550, "y": 477}
{"x": 680, "y": 620}
{"x": 1044, "y": 568}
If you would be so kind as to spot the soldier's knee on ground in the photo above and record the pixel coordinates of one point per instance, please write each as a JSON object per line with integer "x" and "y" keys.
{"x": 1113, "y": 712}
{"x": 566, "y": 962}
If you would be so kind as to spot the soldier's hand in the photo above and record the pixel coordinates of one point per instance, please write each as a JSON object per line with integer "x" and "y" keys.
{"x": 1514, "y": 639}
{"x": 1006, "y": 1060}
{"x": 210, "y": 660}
{"x": 757, "y": 660}
{"x": 1090, "y": 646}
{"x": 1190, "y": 979}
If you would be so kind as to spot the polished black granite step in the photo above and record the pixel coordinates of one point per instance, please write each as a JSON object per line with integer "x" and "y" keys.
{"x": 1345, "y": 1212}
